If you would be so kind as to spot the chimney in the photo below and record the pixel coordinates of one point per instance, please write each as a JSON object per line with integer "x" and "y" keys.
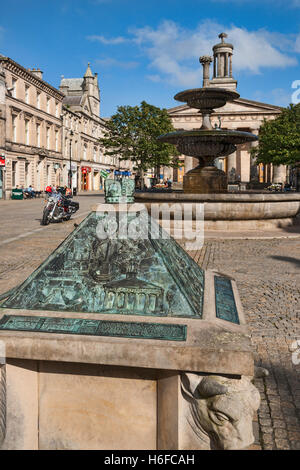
{"x": 38, "y": 73}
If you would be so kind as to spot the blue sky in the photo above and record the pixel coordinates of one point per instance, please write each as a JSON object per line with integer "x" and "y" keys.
{"x": 149, "y": 50}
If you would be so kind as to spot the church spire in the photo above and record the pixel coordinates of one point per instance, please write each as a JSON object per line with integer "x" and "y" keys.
{"x": 88, "y": 72}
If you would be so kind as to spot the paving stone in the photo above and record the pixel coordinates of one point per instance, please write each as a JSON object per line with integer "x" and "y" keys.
{"x": 268, "y": 279}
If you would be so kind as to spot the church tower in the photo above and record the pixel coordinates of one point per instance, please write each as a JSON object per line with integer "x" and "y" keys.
{"x": 91, "y": 88}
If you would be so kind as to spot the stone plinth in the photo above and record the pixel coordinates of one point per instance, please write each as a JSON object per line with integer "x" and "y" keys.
{"x": 100, "y": 338}
{"x": 204, "y": 180}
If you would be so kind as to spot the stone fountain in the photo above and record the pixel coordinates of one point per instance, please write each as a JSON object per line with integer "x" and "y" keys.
{"x": 206, "y": 144}
{"x": 207, "y": 184}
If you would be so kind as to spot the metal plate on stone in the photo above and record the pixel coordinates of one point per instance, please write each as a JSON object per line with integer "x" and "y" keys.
{"x": 77, "y": 326}
{"x": 144, "y": 274}
{"x": 225, "y": 302}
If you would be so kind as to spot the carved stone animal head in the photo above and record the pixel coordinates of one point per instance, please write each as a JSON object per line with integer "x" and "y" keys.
{"x": 221, "y": 409}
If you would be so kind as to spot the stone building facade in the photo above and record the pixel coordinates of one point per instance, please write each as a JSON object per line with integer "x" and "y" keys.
{"x": 31, "y": 135}
{"x": 82, "y": 128}
{"x": 241, "y": 114}
{"x": 45, "y": 131}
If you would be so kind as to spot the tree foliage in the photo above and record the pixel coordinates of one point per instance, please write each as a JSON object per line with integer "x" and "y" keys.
{"x": 132, "y": 135}
{"x": 279, "y": 139}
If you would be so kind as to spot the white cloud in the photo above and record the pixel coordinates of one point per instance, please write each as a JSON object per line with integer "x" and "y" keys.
{"x": 297, "y": 43}
{"x": 110, "y": 62}
{"x": 173, "y": 50}
{"x": 103, "y": 40}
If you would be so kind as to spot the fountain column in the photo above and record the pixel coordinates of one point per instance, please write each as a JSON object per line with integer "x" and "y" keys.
{"x": 231, "y": 167}
{"x": 205, "y": 61}
{"x": 254, "y": 177}
{"x": 279, "y": 174}
{"x": 188, "y": 163}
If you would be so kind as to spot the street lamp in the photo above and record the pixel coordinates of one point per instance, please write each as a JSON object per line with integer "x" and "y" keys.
{"x": 70, "y": 169}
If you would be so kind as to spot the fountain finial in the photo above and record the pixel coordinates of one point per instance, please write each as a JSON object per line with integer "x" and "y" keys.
{"x": 222, "y": 36}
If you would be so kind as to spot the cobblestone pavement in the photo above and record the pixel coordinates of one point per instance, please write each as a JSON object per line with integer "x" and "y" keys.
{"x": 268, "y": 277}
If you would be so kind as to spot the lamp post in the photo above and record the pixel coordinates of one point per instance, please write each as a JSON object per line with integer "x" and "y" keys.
{"x": 70, "y": 169}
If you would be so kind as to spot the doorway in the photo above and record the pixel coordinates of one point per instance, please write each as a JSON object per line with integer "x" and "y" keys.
{"x": 1, "y": 183}
{"x": 84, "y": 182}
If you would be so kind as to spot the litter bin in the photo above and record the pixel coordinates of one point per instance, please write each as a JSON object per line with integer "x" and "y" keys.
{"x": 74, "y": 191}
{"x": 17, "y": 194}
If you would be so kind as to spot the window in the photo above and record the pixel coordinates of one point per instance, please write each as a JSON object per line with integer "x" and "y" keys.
{"x": 27, "y": 132}
{"x": 27, "y": 174}
{"x": 56, "y": 109}
{"x": 14, "y": 128}
{"x": 26, "y": 94}
{"x": 48, "y": 105}
{"x": 95, "y": 154}
{"x": 38, "y": 135}
{"x": 14, "y": 87}
{"x": 38, "y": 99}
{"x": 13, "y": 174}
{"x": 56, "y": 141}
{"x": 48, "y": 137}
{"x": 84, "y": 152}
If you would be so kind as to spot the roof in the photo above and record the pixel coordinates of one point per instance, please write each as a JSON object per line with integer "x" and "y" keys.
{"x": 72, "y": 83}
{"x": 8, "y": 60}
{"x": 72, "y": 100}
{"x": 242, "y": 105}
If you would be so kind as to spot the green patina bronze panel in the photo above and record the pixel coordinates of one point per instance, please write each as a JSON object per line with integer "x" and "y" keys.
{"x": 225, "y": 302}
{"x": 119, "y": 191}
{"x": 144, "y": 272}
{"x": 77, "y": 326}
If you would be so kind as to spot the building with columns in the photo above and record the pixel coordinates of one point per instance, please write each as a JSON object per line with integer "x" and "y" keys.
{"x": 30, "y": 128}
{"x": 82, "y": 129}
{"x": 241, "y": 114}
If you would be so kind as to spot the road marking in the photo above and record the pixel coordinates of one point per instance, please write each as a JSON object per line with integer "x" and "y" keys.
{"x": 23, "y": 235}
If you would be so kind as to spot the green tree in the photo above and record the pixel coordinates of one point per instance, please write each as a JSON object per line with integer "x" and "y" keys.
{"x": 132, "y": 135}
{"x": 279, "y": 139}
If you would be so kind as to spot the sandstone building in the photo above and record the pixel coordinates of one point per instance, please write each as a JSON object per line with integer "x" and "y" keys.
{"x": 30, "y": 128}
{"x": 45, "y": 131}
{"x": 82, "y": 127}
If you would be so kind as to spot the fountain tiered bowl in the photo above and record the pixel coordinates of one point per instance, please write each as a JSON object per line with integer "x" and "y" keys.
{"x": 207, "y": 185}
{"x": 207, "y": 143}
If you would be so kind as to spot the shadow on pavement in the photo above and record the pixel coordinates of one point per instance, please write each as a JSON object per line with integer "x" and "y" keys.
{"x": 288, "y": 259}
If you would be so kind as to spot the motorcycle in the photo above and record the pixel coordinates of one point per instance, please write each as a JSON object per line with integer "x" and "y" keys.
{"x": 58, "y": 209}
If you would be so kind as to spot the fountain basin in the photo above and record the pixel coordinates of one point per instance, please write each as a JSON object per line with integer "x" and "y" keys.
{"x": 206, "y": 98}
{"x": 207, "y": 143}
{"x": 247, "y": 211}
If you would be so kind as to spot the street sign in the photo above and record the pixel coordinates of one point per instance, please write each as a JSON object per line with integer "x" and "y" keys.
{"x": 103, "y": 173}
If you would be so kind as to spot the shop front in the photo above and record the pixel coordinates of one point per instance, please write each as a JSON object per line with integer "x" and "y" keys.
{"x": 86, "y": 178}
{"x": 2, "y": 168}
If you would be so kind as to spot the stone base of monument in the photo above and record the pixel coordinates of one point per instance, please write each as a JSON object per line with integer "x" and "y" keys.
{"x": 205, "y": 180}
{"x": 151, "y": 353}
{"x": 233, "y": 212}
